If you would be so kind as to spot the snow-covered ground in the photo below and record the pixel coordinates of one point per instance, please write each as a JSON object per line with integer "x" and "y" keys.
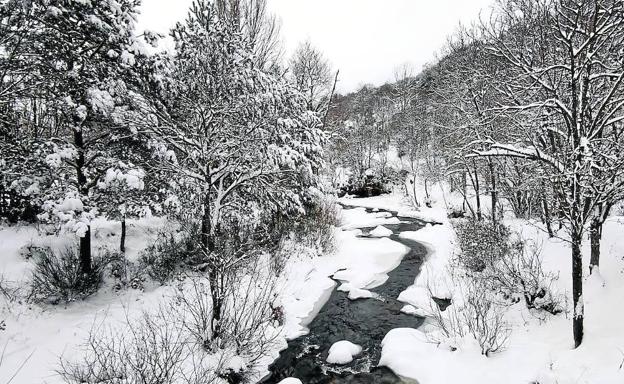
{"x": 540, "y": 348}
{"x": 37, "y": 335}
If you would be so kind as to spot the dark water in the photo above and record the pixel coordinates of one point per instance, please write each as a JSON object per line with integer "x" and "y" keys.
{"x": 364, "y": 322}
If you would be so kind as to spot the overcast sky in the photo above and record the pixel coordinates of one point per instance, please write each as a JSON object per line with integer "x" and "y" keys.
{"x": 365, "y": 39}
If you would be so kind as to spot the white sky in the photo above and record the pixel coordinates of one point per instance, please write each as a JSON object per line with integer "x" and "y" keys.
{"x": 365, "y": 39}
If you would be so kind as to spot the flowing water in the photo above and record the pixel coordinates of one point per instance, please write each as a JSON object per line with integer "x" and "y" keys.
{"x": 364, "y": 322}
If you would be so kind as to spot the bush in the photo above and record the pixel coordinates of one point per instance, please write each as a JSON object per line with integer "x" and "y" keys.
{"x": 175, "y": 343}
{"x": 126, "y": 273}
{"x": 480, "y": 315}
{"x": 520, "y": 273}
{"x": 506, "y": 262}
{"x": 169, "y": 254}
{"x": 149, "y": 349}
{"x": 484, "y": 319}
{"x": 316, "y": 227}
{"x": 57, "y": 276}
{"x": 482, "y": 243}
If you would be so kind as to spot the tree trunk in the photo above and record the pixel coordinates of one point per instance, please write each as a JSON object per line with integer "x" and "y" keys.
{"x": 122, "y": 245}
{"x": 85, "y": 252}
{"x": 477, "y": 190}
{"x": 595, "y": 234}
{"x": 465, "y": 190}
{"x": 214, "y": 272}
{"x": 546, "y": 214}
{"x": 85, "y": 241}
{"x": 577, "y": 290}
{"x": 493, "y": 182}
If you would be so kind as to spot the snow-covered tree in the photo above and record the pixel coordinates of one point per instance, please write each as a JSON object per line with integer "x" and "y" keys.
{"x": 565, "y": 93}
{"x": 86, "y": 54}
{"x": 239, "y": 141}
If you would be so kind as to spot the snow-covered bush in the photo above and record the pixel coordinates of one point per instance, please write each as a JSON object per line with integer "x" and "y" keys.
{"x": 316, "y": 227}
{"x": 520, "y": 273}
{"x": 505, "y": 262}
{"x": 484, "y": 318}
{"x": 57, "y": 276}
{"x": 481, "y": 243}
{"x": 479, "y": 316}
{"x": 245, "y": 326}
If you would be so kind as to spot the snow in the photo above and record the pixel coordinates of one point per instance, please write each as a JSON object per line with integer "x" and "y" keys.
{"x": 540, "y": 348}
{"x": 355, "y": 293}
{"x": 380, "y": 231}
{"x": 411, "y": 310}
{"x": 290, "y": 380}
{"x": 359, "y": 218}
{"x": 358, "y": 263}
{"x": 342, "y": 352}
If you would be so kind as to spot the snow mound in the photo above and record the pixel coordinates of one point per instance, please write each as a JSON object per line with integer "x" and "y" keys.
{"x": 355, "y": 292}
{"x": 411, "y": 310}
{"x": 290, "y": 380}
{"x": 342, "y": 352}
{"x": 380, "y": 231}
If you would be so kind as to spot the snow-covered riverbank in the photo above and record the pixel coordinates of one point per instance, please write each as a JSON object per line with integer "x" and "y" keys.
{"x": 540, "y": 348}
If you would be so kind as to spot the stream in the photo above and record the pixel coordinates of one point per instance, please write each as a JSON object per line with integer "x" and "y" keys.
{"x": 364, "y": 322}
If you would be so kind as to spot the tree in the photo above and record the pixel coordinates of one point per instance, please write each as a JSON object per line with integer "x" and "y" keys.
{"x": 239, "y": 141}
{"x": 85, "y": 54}
{"x": 259, "y": 28}
{"x": 312, "y": 74}
{"x": 565, "y": 93}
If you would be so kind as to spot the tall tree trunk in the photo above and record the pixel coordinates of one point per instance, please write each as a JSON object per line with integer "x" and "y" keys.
{"x": 577, "y": 290}
{"x": 122, "y": 242}
{"x": 465, "y": 190}
{"x": 214, "y": 272}
{"x": 477, "y": 190}
{"x": 85, "y": 252}
{"x": 85, "y": 241}
{"x": 595, "y": 234}
{"x": 547, "y": 218}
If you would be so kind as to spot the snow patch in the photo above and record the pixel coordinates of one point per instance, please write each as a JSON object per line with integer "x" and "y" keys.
{"x": 342, "y": 352}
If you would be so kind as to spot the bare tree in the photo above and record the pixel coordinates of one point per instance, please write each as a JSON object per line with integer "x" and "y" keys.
{"x": 312, "y": 75}
{"x": 565, "y": 94}
{"x": 260, "y": 29}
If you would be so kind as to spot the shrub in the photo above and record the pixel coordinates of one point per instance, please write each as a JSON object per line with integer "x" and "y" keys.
{"x": 506, "y": 262}
{"x": 484, "y": 319}
{"x": 520, "y": 273}
{"x": 57, "y": 276}
{"x": 168, "y": 255}
{"x": 316, "y": 227}
{"x": 481, "y": 243}
{"x": 149, "y": 349}
{"x": 480, "y": 315}
{"x": 126, "y": 273}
